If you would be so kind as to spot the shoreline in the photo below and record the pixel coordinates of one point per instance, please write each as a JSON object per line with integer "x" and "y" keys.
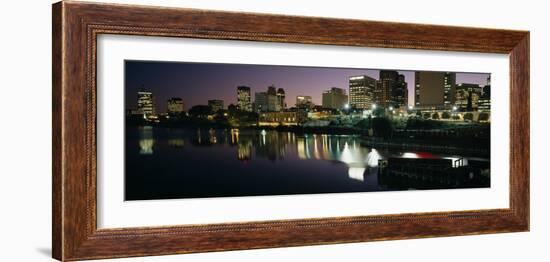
{"x": 436, "y": 144}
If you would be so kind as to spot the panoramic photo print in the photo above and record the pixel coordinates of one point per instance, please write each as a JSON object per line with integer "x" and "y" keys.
{"x": 200, "y": 130}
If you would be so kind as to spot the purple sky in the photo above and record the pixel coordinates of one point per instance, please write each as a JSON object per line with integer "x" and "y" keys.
{"x": 196, "y": 83}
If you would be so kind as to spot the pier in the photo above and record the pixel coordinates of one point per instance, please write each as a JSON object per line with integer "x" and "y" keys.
{"x": 421, "y": 173}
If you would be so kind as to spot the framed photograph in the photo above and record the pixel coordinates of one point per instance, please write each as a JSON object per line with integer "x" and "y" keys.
{"x": 182, "y": 130}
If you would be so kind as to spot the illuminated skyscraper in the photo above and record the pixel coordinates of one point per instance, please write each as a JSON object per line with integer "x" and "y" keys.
{"x": 145, "y": 103}
{"x": 484, "y": 102}
{"x": 361, "y": 91}
{"x": 391, "y": 90}
{"x": 467, "y": 97}
{"x": 243, "y": 98}
{"x": 449, "y": 87}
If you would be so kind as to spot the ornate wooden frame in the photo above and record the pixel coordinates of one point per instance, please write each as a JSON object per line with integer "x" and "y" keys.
{"x": 76, "y": 26}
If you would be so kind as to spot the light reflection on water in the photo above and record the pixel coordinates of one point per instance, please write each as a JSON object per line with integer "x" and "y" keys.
{"x": 274, "y": 145}
{"x": 146, "y": 141}
{"x": 254, "y": 162}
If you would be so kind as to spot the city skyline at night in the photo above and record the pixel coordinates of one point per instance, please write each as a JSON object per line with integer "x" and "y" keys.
{"x": 199, "y": 130}
{"x": 196, "y": 83}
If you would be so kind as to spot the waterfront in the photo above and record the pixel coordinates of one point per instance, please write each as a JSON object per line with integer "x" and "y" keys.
{"x": 167, "y": 163}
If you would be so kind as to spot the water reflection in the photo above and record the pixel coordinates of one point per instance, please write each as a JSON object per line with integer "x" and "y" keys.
{"x": 146, "y": 141}
{"x": 176, "y": 142}
{"x": 274, "y": 146}
{"x": 244, "y": 150}
{"x": 206, "y": 162}
{"x": 212, "y": 137}
{"x": 357, "y": 173}
{"x": 373, "y": 157}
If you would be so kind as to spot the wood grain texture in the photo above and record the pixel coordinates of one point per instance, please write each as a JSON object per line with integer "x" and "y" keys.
{"x": 76, "y": 26}
{"x": 57, "y": 215}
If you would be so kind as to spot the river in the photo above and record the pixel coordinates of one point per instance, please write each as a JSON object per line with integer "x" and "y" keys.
{"x": 170, "y": 163}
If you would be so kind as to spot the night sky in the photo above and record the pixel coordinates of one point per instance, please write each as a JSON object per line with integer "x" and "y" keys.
{"x": 196, "y": 83}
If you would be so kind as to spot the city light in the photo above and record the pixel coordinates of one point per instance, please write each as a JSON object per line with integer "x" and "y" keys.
{"x": 373, "y": 157}
{"x": 263, "y": 133}
{"x": 357, "y": 173}
{"x": 421, "y": 144}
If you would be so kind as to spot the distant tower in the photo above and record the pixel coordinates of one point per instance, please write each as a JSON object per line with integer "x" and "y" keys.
{"x": 281, "y": 99}
{"x": 468, "y": 96}
{"x": 484, "y": 102}
{"x": 401, "y": 93}
{"x": 260, "y": 102}
{"x": 175, "y": 106}
{"x": 385, "y": 86}
{"x": 272, "y": 103}
{"x": 434, "y": 89}
{"x": 271, "y": 90}
{"x": 145, "y": 103}
{"x": 449, "y": 89}
{"x": 334, "y": 98}
{"x": 243, "y": 98}
{"x": 304, "y": 102}
{"x": 215, "y": 105}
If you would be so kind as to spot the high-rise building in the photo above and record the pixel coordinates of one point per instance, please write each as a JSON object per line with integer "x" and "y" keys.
{"x": 271, "y": 101}
{"x": 145, "y": 103}
{"x": 385, "y": 87}
{"x": 175, "y": 106}
{"x": 281, "y": 99}
{"x": 400, "y": 93}
{"x": 272, "y": 90}
{"x": 361, "y": 91}
{"x": 484, "y": 102}
{"x": 467, "y": 96}
{"x": 334, "y": 98}
{"x": 243, "y": 98}
{"x": 434, "y": 89}
{"x": 215, "y": 105}
{"x": 260, "y": 102}
{"x": 304, "y": 102}
{"x": 449, "y": 87}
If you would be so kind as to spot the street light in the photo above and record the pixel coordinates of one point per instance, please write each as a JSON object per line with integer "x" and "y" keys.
{"x": 455, "y": 108}
{"x": 391, "y": 108}
{"x": 411, "y": 107}
{"x": 346, "y": 106}
{"x": 373, "y": 106}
